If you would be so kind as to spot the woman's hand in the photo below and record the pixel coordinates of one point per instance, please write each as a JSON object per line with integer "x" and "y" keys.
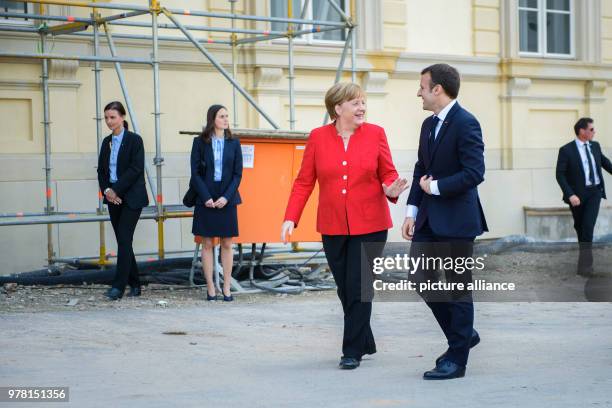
{"x": 112, "y": 197}
{"x": 210, "y": 203}
{"x": 396, "y": 188}
{"x": 220, "y": 203}
{"x": 287, "y": 230}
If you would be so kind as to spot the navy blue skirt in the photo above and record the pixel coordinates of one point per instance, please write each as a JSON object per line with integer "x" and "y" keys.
{"x": 215, "y": 222}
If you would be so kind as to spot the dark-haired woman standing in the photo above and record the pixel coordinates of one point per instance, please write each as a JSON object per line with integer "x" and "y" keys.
{"x": 121, "y": 180}
{"x": 216, "y": 171}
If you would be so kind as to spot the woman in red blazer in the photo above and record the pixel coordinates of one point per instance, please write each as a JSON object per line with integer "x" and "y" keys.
{"x": 352, "y": 162}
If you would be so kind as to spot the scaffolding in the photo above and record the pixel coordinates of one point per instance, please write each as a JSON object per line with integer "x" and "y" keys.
{"x": 78, "y": 27}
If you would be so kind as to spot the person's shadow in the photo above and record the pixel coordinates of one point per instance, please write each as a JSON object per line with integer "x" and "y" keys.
{"x": 598, "y": 286}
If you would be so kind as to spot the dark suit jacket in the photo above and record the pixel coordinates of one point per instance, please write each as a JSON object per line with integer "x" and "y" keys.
{"x": 457, "y": 162}
{"x": 130, "y": 186}
{"x": 203, "y": 170}
{"x": 570, "y": 173}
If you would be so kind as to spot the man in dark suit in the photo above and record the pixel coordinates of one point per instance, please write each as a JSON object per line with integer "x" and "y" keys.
{"x": 444, "y": 207}
{"x": 581, "y": 180}
{"x": 121, "y": 181}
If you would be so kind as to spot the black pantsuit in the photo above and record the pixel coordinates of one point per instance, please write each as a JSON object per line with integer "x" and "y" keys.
{"x": 124, "y": 220}
{"x": 130, "y": 188}
{"x": 343, "y": 253}
{"x": 453, "y": 310}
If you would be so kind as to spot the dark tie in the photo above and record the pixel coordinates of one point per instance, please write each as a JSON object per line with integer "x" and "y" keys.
{"x": 432, "y": 132}
{"x": 588, "y": 155}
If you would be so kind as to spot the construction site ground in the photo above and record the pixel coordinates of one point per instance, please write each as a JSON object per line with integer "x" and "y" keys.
{"x": 172, "y": 348}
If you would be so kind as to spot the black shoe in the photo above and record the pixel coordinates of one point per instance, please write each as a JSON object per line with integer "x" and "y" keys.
{"x": 114, "y": 294}
{"x": 211, "y": 298}
{"x": 348, "y": 363}
{"x": 229, "y": 298}
{"x": 134, "y": 292}
{"x": 445, "y": 370}
{"x": 473, "y": 343}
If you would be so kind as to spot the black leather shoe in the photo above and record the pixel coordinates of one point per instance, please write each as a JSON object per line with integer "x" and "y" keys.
{"x": 348, "y": 363}
{"x": 114, "y": 294}
{"x": 445, "y": 370}
{"x": 229, "y": 298}
{"x": 211, "y": 298}
{"x": 473, "y": 343}
{"x": 134, "y": 292}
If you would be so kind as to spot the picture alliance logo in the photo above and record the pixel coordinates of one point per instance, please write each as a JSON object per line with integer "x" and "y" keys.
{"x": 413, "y": 264}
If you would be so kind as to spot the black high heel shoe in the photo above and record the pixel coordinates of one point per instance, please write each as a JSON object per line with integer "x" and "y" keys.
{"x": 211, "y": 298}
{"x": 229, "y": 298}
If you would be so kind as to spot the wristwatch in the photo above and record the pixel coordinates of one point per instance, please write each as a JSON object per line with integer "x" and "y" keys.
{"x": 106, "y": 190}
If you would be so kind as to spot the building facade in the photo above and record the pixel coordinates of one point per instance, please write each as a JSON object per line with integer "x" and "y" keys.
{"x": 530, "y": 69}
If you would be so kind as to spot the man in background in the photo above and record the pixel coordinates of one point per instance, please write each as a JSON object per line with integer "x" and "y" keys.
{"x": 581, "y": 180}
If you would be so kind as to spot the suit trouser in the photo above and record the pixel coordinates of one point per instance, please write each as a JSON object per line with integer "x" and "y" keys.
{"x": 585, "y": 217}
{"x": 124, "y": 220}
{"x": 453, "y": 310}
{"x": 343, "y": 253}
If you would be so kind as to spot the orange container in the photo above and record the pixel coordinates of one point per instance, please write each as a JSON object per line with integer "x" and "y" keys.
{"x": 267, "y": 179}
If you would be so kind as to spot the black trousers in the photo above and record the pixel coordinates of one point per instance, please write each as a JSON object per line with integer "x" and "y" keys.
{"x": 124, "y": 220}
{"x": 343, "y": 253}
{"x": 453, "y": 310}
{"x": 585, "y": 217}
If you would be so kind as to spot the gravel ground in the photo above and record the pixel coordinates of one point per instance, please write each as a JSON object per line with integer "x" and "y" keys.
{"x": 37, "y": 299}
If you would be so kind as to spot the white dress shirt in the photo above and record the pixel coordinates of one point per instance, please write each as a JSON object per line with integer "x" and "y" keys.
{"x": 585, "y": 162}
{"x": 412, "y": 210}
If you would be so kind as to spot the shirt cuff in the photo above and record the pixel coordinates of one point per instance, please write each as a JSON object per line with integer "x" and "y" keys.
{"x": 412, "y": 211}
{"x": 433, "y": 186}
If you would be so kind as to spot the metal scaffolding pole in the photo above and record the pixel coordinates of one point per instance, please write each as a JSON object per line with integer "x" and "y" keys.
{"x": 45, "y": 56}
{"x": 296, "y": 34}
{"x": 158, "y": 160}
{"x": 200, "y": 28}
{"x": 220, "y": 68}
{"x": 303, "y": 14}
{"x": 135, "y": 7}
{"x": 291, "y": 75}
{"x": 120, "y": 16}
{"x": 47, "y": 133}
{"x": 233, "y": 30}
{"x": 338, "y": 9}
{"x": 112, "y": 6}
{"x": 234, "y": 38}
{"x": 128, "y": 102}
{"x": 34, "y": 16}
{"x": 98, "y": 118}
{"x": 148, "y": 37}
{"x": 340, "y": 69}
{"x": 353, "y": 34}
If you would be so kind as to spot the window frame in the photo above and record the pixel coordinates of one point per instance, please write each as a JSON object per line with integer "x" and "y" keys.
{"x": 543, "y": 12}
{"x": 21, "y": 22}
{"x": 308, "y": 39}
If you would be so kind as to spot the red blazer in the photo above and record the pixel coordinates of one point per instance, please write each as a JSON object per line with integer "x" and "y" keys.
{"x": 351, "y": 198}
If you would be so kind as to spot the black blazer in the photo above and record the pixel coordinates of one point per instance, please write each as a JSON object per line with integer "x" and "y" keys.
{"x": 203, "y": 170}
{"x": 130, "y": 186}
{"x": 456, "y": 160}
{"x": 570, "y": 173}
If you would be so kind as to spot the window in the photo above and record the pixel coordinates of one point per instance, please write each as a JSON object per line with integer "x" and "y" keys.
{"x": 546, "y": 28}
{"x": 316, "y": 10}
{"x": 13, "y": 7}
